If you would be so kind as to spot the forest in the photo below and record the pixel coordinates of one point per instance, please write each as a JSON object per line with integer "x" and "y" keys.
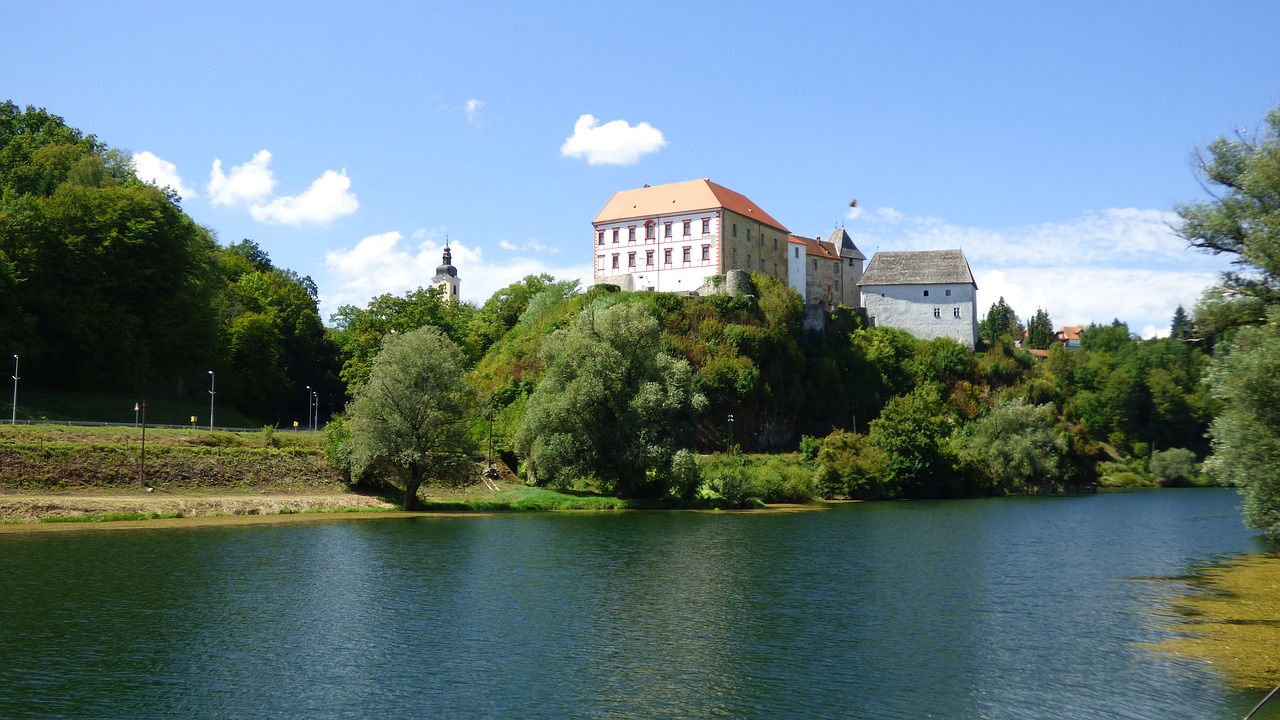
{"x": 106, "y": 285}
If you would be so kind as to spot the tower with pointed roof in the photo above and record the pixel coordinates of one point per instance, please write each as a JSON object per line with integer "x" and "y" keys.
{"x": 447, "y": 277}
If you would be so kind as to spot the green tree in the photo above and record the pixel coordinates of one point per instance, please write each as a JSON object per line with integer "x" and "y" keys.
{"x": 913, "y": 432}
{"x": 1181, "y": 327}
{"x": 1243, "y": 220}
{"x": 1000, "y": 320}
{"x": 1015, "y": 447}
{"x": 1040, "y": 331}
{"x": 610, "y": 405}
{"x": 413, "y": 416}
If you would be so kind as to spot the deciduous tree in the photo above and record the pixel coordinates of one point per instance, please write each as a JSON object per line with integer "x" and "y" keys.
{"x": 412, "y": 416}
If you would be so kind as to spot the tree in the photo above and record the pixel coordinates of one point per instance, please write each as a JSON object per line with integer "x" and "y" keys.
{"x": 1246, "y": 435}
{"x": 1040, "y": 331}
{"x": 610, "y": 405}
{"x": 1000, "y": 320}
{"x": 413, "y": 414}
{"x": 1243, "y": 219}
{"x": 1182, "y": 327}
{"x": 1243, "y": 176}
{"x": 912, "y": 431}
{"x": 1014, "y": 447}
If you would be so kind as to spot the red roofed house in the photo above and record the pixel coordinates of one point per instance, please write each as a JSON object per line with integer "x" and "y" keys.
{"x": 671, "y": 238}
{"x": 825, "y": 273}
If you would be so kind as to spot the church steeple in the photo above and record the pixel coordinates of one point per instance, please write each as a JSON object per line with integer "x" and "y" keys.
{"x": 447, "y": 276}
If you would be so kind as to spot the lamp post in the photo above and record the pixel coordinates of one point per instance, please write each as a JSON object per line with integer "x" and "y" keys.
{"x": 310, "y": 394}
{"x": 13, "y": 418}
{"x": 212, "y": 381}
{"x": 315, "y": 419}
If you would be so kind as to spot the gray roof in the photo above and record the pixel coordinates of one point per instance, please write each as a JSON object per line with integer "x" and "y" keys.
{"x": 927, "y": 267}
{"x": 844, "y": 245}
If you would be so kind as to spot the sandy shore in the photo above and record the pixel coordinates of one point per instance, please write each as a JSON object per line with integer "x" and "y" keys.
{"x": 20, "y": 511}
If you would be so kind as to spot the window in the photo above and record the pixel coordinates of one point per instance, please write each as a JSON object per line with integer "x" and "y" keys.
{"x": 615, "y": 261}
{"x": 631, "y": 234}
{"x": 687, "y": 223}
{"x": 666, "y": 256}
{"x": 748, "y": 234}
{"x": 688, "y": 254}
{"x": 648, "y": 230}
{"x": 706, "y": 252}
{"x": 735, "y": 229}
{"x": 748, "y": 261}
{"x": 775, "y": 243}
{"x": 735, "y": 257}
{"x": 600, "y": 238}
{"x": 615, "y": 234}
{"x": 666, "y": 229}
{"x": 815, "y": 264}
{"x": 955, "y": 311}
{"x": 631, "y": 259}
{"x": 948, "y": 293}
{"x": 648, "y": 258}
{"x": 797, "y": 252}
{"x": 761, "y": 264}
{"x": 851, "y": 265}
{"x": 937, "y": 312}
{"x": 706, "y": 226}
{"x": 926, "y": 293}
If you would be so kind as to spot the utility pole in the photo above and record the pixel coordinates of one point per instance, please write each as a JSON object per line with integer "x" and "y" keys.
{"x": 212, "y": 379}
{"x": 13, "y": 418}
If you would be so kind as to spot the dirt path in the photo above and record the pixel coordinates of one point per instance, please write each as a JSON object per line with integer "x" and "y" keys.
{"x": 23, "y": 510}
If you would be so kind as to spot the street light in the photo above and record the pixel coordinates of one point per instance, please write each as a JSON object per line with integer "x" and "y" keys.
{"x": 13, "y": 417}
{"x": 310, "y": 393}
{"x": 212, "y": 380}
{"x": 315, "y": 419}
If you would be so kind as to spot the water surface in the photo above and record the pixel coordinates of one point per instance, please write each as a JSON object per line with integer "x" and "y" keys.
{"x": 1003, "y": 608}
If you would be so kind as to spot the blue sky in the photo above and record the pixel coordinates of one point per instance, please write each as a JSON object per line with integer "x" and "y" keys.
{"x": 1050, "y": 141}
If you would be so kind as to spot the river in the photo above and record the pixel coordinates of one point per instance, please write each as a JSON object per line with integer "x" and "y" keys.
{"x": 999, "y": 608}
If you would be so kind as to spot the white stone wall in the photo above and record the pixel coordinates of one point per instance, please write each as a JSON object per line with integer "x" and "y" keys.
{"x": 652, "y": 270}
{"x": 796, "y": 267}
{"x": 907, "y": 307}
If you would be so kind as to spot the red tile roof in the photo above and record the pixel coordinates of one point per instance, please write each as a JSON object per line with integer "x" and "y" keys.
{"x": 678, "y": 198}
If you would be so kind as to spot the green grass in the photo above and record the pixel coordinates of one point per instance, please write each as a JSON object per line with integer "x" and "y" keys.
{"x": 111, "y": 517}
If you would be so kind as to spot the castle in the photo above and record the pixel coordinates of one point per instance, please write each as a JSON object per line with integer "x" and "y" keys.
{"x": 675, "y": 237}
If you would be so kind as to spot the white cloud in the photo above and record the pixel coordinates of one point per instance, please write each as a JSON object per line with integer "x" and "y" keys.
{"x": 384, "y": 264}
{"x": 1124, "y": 264}
{"x": 328, "y": 198}
{"x": 472, "y": 110}
{"x": 247, "y": 183}
{"x": 531, "y": 245}
{"x": 853, "y": 213}
{"x": 159, "y": 172}
{"x": 613, "y": 143}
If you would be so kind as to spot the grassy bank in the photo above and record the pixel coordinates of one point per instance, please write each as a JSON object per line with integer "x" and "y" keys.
{"x": 44, "y": 458}
{"x": 1233, "y": 622}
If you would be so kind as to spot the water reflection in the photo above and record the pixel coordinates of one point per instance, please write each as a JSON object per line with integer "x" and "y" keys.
{"x": 979, "y": 609}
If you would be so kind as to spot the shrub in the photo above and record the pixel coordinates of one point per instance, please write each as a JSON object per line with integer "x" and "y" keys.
{"x": 1175, "y": 467}
{"x": 808, "y": 447}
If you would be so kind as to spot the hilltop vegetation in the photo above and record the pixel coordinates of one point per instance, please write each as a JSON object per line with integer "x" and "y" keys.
{"x": 105, "y": 283}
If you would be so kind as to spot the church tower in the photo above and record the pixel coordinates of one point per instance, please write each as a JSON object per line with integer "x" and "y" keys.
{"x": 447, "y": 277}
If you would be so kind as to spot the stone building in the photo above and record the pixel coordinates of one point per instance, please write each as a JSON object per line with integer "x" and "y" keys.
{"x": 929, "y": 294}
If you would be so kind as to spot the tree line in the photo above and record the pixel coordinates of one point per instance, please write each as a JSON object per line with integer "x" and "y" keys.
{"x": 105, "y": 283}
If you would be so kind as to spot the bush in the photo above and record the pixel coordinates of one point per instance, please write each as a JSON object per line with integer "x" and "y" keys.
{"x": 848, "y": 467}
{"x": 1175, "y": 467}
{"x": 808, "y": 447}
